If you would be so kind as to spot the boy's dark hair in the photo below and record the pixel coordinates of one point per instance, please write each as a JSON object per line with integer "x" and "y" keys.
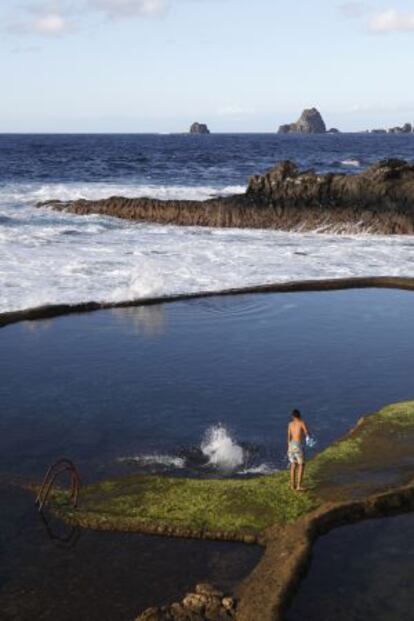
{"x": 296, "y": 414}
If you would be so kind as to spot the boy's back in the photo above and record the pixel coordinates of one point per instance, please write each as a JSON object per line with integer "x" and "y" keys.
{"x": 297, "y": 429}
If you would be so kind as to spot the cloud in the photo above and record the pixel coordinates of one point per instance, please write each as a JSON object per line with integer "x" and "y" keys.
{"x": 47, "y": 19}
{"x": 353, "y": 10}
{"x": 392, "y": 20}
{"x": 55, "y": 18}
{"x": 50, "y": 25}
{"x": 127, "y": 8}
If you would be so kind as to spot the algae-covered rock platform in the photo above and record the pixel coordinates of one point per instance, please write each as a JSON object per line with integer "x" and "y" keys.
{"x": 367, "y": 473}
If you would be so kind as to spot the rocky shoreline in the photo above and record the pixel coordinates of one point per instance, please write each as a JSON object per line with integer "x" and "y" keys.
{"x": 379, "y": 200}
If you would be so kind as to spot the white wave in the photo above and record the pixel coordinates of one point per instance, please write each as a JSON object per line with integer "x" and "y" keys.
{"x": 58, "y": 258}
{"x": 260, "y": 469}
{"x": 221, "y": 450}
{"x": 31, "y": 193}
{"x": 352, "y": 163}
{"x": 169, "y": 461}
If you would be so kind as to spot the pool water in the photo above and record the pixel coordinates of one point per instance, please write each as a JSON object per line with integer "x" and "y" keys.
{"x": 156, "y": 389}
{"x": 360, "y": 572}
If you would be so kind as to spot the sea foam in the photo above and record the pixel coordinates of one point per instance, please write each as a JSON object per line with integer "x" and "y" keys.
{"x": 48, "y": 257}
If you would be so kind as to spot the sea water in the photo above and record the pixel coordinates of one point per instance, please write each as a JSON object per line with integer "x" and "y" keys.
{"x": 51, "y": 258}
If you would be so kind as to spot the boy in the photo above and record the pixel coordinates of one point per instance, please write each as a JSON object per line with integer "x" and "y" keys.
{"x": 296, "y": 431}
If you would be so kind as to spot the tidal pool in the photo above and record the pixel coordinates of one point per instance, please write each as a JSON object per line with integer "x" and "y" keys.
{"x": 360, "y": 572}
{"x": 201, "y": 387}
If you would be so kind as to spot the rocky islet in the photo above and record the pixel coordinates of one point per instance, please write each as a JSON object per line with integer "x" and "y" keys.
{"x": 310, "y": 122}
{"x": 199, "y": 128}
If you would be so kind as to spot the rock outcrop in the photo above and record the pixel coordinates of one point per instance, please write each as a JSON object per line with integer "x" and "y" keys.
{"x": 405, "y": 129}
{"x": 205, "y": 604}
{"x": 379, "y": 200}
{"x": 310, "y": 122}
{"x": 199, "y": 128}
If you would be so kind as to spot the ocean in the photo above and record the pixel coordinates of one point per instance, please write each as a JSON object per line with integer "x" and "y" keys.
{"x": 52, "y": 258}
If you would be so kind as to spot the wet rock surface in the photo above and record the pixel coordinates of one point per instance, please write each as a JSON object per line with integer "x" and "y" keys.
{"x": 379, "y": 200}
{"x": 206, "y": 603}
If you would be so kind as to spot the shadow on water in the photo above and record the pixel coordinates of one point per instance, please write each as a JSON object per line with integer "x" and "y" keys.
{"x": 62, "y": 535}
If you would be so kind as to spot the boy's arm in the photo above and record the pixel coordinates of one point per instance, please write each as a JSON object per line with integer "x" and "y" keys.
{"x": 305, "y": 429}
{"x": 288, "y": 435}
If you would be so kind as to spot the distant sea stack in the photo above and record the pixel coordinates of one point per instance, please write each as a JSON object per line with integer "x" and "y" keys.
{"x": 310, "y": 122}
{"x": 199, "y": 128}
{"x": 407, "y": 128}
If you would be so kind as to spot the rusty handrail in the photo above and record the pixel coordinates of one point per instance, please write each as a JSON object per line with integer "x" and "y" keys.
{"x": 53, "y": 472}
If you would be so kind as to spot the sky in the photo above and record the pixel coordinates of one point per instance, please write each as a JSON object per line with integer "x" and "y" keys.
{"x": 237, "y": 65}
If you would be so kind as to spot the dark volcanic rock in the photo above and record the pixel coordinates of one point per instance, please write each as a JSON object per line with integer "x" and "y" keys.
{"x": 199, "y": 128}
{"x": 310, "y": 122}
{"x": 206, "y": 604}
{"x": 405, "y": 129}
{"x": 333, "y": 130}
{"x": 379, "y": 200}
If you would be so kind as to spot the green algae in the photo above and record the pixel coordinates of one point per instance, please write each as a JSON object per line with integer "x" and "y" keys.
{"x": 348, "y": 449}
{"x": 243, "y": 506}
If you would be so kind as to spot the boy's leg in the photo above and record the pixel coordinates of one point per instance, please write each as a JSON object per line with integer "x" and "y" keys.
{"x": 293, "y": 475}
{"x": 301, "y": 472}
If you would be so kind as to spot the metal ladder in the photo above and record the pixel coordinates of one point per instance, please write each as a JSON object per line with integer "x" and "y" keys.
{"x": 53, "y": 472}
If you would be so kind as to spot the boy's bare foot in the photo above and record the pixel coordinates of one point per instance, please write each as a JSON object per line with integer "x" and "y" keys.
{"x": 301, "y": 489}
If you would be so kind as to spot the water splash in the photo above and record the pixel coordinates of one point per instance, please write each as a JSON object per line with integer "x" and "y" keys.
{"x": 221, "y": 450}
{"x": 217, "y": 452}
{"x": 167, "y": 461}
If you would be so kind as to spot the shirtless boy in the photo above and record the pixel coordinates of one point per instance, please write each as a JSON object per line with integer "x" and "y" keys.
{"x": 297, "y": 430}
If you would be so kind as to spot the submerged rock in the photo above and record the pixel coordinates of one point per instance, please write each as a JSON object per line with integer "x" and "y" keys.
{"x": 310, "y": 122}
{"x": 199, "y": 128}
{"x": 378, "y": 200}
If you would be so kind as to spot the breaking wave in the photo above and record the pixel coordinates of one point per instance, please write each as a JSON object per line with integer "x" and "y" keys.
{"x": 58, "y": 258}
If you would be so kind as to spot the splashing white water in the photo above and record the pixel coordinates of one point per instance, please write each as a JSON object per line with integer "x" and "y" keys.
{"x": 221, "y": 450}
{"x": 58, "y": 258}
{"x": 217, "y": 450}
{"x": 168, "y": 461}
